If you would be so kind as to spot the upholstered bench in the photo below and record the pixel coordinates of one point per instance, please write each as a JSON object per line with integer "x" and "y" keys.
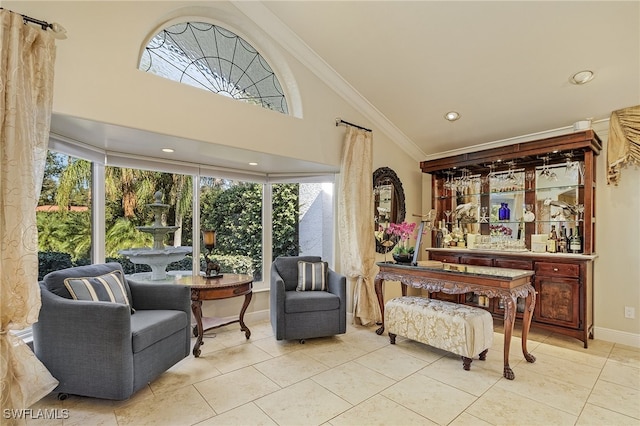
{"x": 460, "y": 329}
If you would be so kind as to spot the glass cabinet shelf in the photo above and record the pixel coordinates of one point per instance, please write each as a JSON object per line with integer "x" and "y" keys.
{"x": 550, "y": 189}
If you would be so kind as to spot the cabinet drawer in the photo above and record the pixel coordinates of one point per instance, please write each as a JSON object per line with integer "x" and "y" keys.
{"x": 447, "y": 258}
{"x": 514, "y": 264}
{"x": 557, "y": 269}
{"x": 477, "y": 261}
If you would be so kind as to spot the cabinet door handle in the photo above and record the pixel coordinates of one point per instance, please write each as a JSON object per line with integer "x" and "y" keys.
{"x": 555, "y": 269}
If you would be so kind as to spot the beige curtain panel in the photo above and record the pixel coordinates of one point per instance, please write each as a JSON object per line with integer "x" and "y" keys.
{"x": 355, "y": 224}
{"x": 624, "y": 141}
{"x": 27, "y": 55}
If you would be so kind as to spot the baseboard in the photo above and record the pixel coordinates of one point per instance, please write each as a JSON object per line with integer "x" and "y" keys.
{"x": 263, "y": 315}
{"x": 257, "y": 316}
{"x": 616, "y": 336}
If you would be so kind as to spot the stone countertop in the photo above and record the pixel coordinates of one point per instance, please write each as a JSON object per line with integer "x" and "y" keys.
{"x": 506, "y": 273}
{"x": 517, "y": 253}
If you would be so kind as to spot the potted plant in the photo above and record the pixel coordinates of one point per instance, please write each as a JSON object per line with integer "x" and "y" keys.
{"x": 403, "y": 252}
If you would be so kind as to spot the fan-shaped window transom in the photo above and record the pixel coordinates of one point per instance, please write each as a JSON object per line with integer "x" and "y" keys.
{"x": 210, "y": 57}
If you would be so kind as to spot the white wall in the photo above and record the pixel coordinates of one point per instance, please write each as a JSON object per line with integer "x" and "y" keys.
{"x": 617, "y": 268}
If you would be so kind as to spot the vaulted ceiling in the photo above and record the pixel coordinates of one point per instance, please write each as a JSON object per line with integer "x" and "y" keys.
{"x": 503, "y": 66}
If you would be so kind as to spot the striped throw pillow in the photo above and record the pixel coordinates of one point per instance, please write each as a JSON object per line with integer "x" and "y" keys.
{"x": 104, "y": 288}
{"x": 312, "y": 276}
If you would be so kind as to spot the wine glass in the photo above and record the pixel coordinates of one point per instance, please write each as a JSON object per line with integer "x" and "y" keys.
{"x": 530, "y": 176}
{"x": 448, "y": 214}
{"x": 580, "y": 209}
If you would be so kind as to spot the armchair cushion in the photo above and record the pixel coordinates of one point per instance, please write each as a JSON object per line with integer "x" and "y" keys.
{"x": 104, "y": 288}
{"x": 312, "y": 276}
{"x": 310, "y": 301}
{"x": 54, "y": 281}
{"x": 286, "y": 268}
{"x": 149, "y": 327}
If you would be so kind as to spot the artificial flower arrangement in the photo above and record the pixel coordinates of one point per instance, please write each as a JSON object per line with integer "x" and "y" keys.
{"x": 498, "y": 230}
{"x": 403, "y": 231}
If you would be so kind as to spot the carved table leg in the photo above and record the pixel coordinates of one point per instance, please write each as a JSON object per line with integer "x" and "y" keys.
{"x": 509, "y": 319}
{"x": 378, "y": 287}
{"x": 392, "y": 338}
{"x": 529, "y": 304}
{"x": 245, "y": 305}
{"x": 196, "y": 308}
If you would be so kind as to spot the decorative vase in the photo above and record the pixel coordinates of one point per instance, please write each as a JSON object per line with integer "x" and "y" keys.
{"x": 503, "y": 212}
{"x": 402, "y": 257}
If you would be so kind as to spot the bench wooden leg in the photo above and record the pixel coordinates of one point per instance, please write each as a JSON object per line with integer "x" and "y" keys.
{"x": 466, "y": 363}
{"x": 483, "y": 355}
{"x": 392, "y": 338}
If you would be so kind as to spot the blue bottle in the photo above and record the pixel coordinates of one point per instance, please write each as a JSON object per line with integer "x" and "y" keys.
{"x": 503, "y": 212}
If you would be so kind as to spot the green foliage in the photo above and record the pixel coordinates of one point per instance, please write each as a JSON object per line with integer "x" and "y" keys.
{"x": 54, "y": 166}
{"x": 74, "y": 184}
{"x": 237, "y": 220}
{"x": 52, "y": 261}
{"x": 233, "y": 264}
{"x": 124, "y": 235}
{"x": 233, "y": 209}
{"x": 128, "y": 266}
{"x": 286, "y": 213}
{"x": 65, "y": 232}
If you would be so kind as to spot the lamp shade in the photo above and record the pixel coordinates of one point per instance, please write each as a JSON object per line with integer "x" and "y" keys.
{"x": 209, "y": 238}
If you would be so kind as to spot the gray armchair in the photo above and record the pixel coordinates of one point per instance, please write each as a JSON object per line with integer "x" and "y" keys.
{"x": 102, "y": 350}
{"x": 305, "y": 314}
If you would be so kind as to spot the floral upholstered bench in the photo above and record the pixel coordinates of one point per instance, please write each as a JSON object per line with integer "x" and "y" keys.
{"x": 463, "y": 330}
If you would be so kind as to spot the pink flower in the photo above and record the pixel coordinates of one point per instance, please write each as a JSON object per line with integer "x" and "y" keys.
{"x": 403, "y": 230}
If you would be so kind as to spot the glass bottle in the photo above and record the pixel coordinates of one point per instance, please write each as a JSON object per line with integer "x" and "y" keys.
{"x": 439, "y": 237}
{"x": 503, "y": 212}
{"x": 562, "y": 242}
{"x": 576, "y": 243}
{"x": 553, "y": 240}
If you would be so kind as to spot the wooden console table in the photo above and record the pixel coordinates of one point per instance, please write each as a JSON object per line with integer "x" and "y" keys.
{"x": 227, "y": 286}
{"x": 504, "y": 283}
{"x": 202, "y": 288}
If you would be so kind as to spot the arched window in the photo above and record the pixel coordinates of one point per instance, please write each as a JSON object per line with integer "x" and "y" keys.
{"x": 213, "y": 58}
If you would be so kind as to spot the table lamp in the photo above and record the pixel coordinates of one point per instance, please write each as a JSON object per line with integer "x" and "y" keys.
{"x": 209, "y": 240}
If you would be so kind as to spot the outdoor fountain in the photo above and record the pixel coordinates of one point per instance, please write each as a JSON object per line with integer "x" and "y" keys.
{"x": 158, "y": 256}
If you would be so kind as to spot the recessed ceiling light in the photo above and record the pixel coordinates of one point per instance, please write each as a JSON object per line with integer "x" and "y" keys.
{"x": 581, "y": 77}
{"x": 452, "y": 116}
{"x": 253, "y": 164}
{"x": 167, "y": 150}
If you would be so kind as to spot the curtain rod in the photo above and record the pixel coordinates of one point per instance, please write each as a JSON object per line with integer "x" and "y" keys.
{"x": 25, "y": 18}
{"x": 58, "y": 29}
{"x": 340, "y": 121}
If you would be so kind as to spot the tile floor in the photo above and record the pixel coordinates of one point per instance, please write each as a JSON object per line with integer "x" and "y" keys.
{"x": 360, "y": 379}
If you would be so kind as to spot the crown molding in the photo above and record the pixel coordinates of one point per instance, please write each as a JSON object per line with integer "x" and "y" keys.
{"x": 600, "y": 127}
{"x": 291, "y": 42}
{"x": 257, "y": 12}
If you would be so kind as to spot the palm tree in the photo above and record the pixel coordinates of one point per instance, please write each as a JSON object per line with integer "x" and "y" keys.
{"x": 180, "y": 196}
{"x": 124, "y": 235}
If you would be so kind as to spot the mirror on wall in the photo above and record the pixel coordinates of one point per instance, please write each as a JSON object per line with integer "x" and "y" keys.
{"x": 389, "y": 207}
{"x": 558, "y": 195}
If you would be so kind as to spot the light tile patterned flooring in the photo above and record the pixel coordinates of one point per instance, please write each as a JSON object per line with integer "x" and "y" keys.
{"x": 360, "y": 379}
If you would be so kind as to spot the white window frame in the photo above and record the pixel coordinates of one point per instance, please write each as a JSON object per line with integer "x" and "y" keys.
{"x": 101, "y": 158}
